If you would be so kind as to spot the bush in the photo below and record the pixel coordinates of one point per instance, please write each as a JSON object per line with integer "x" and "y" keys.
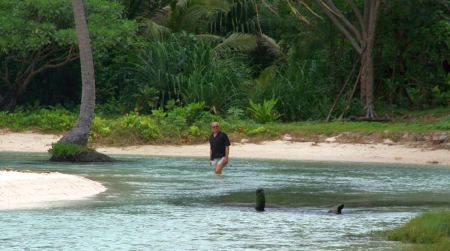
{"x": 234, "y": 113}
{"x": 195, "y": 131}
{"x": 264, "y": 112}
{"x": 194, "y": 112}
{"x": 258, "y": 130}
{"x": 141, "y": 125}
{"x": 67, "y": 150}
{"x": 48, "y": 120}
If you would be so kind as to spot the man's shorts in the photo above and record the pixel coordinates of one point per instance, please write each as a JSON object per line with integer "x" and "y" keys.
{"x": 217, "y": 161}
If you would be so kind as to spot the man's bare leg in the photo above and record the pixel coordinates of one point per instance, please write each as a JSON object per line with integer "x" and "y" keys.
{"x": 219, "y": 168}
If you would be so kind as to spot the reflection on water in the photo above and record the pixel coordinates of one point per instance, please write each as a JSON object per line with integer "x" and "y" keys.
{"x": 179, "y": 204}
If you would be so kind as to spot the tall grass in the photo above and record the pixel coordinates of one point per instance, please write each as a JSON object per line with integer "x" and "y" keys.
{"x": 430, "y": 230}
{"x": 187, "y": 69}
{"x": 301, "y": 92}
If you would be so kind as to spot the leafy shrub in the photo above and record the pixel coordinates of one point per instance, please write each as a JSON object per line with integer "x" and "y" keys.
{"x": 177, "y": 118}
{"x": 49, "y": 120}
{"x": 67, "y": 150}
{"x": 194, "y": 111}
{"x": 142, "y": 125}
{"x": 258, "y": 130}
{"x": 146, "y": 98}
{"x": 195, "y": 131}
{"x": 101, "y": 126}
{"x": 159, "y": 115}
{"x": 264, "y": 112}
{"x": 235, "y": 113}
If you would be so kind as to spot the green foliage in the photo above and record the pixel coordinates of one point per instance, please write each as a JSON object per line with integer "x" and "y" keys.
{"x": 302, "y": 93}
{"x": 194, "y": 111}
{"x": 264, "y": 112}
{"x": 67, "y": 150}
{"x": 146, "y": 99}
{"x": 187, "y": 69}
{"x": 195, "y": 131}
{"x": 39, "y": 35}
{"x": 192, "y": 124}
{"x": 258, "y": 130}
{"x": 428, "y": 228}
{"x": 412, "y": 53}
{"x": 187, "y": 51}
{"x": 240, "y": 41}
{"x": 47, "y": 120}
{"x": 193, "y": 15}
{"x": 235, "y": 113}
{"x": 140, "y": 125}
{"x": 442, "y": 124}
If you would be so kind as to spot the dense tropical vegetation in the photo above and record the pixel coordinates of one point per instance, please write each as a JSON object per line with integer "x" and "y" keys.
{"x": 286, "y": 61}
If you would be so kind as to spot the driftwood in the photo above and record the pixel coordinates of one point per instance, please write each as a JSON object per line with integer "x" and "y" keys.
{"x": 337, "y": 209}
{"x": 260, "y": 200}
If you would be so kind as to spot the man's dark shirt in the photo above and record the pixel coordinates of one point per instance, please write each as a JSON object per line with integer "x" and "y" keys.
{"x": 218, "y": 145}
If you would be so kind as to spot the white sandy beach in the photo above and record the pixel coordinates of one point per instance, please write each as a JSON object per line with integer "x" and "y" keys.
{"x": 29, "y": 189}
{"x": 374, "y": 153}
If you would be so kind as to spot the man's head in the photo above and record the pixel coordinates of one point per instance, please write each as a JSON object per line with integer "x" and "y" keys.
{"x": 215, "y": 127}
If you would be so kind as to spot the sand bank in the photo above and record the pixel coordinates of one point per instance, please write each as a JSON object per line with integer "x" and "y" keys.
{"x": 29, "y": 189}
{"x": 377, "y": 153}
{"x": 374, "y": 153}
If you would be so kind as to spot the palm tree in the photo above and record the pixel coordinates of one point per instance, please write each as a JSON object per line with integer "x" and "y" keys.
{"x": 79, "y": 134}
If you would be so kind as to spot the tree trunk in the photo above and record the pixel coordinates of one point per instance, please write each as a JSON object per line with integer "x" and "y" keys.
{"x": 367, "y": 82}
{"x": 9, "y": 102}
{"x": 79, "y": 134}
{"x": 361, "y": 39}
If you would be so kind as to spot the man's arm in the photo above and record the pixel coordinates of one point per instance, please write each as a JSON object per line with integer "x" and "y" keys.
{"x": 227, "y": 152}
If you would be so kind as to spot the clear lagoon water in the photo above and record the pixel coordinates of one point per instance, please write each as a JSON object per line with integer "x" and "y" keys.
{"x": 160, "y": 203}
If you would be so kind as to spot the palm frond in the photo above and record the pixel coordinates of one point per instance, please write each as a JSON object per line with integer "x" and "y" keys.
{"x": 271, "y": 45}
{"x": 210, "y": 38}
{"x": 238, "y": 41}
{"x": 151, "y": 29}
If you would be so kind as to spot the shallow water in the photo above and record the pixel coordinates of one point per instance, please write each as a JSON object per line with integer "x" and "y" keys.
{"x": 179, "y": 204}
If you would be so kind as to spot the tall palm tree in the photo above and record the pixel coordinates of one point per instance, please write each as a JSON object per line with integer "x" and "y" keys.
{"x": 79, "y": 134}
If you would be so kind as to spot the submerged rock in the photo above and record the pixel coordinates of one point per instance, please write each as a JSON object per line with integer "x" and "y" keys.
{"x": 260, "y": 200}
{"x": 337, "y": 209}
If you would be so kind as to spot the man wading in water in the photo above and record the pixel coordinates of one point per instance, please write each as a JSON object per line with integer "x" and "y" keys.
{"x": 220, "y": 148}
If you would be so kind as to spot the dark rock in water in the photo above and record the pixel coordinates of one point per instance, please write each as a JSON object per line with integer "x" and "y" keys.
{"x": 88, "y": 156}
{"x": 337, "y": 210}
{"x": 260, "y": 200}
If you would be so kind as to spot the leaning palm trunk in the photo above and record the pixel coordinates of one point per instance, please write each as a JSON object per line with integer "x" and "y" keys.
{"x": 79, "y": 134}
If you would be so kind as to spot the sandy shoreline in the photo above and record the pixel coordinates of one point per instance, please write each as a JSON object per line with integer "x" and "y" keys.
{"x": 30, "y": 189}
{"x": 373, "y": 153}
